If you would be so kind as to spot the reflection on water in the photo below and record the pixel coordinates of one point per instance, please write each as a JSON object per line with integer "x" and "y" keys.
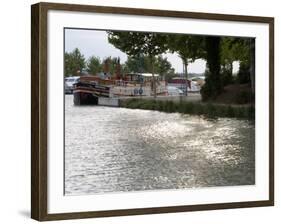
{"x": 117, "y": 149}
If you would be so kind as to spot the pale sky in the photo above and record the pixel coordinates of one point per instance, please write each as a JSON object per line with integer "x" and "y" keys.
{"x": 95, "y": 43}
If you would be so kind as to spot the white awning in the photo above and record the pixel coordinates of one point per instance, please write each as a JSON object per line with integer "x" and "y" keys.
{"x": 148, "y": 74}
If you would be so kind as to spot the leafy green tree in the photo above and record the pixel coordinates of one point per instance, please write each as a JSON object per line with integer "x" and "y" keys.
{"x": 163, "y": 67}
{"x": 247, "y": 60}
{"x": 94, "y": 65}
{"x": 142, "y": 64}
{"x": 138, "y": 43}
{"x": 233, "y": 49}
{"x": 139, "y": 64}
{"x": 74, "y": 63}
{"x": 189, "y": 48}
{"x": 229, "y": 54}
{"x": 242, "y": 50}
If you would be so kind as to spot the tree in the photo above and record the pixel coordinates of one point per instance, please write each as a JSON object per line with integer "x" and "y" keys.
{"x": 163, "y": 67}
{"x": 227, "y": 58}
{"x": 242, "y": 50}
{"x": 135, "y": 44}
{"x": 142, "y": 64}
{"x": 229, "y": 54}
{"x": 213, "y": 86}
{"x": 189, "y": 48}
{"x": 112, "y": 66}
{"x": 138, "y": 64}
{"x": 74, "y": 63}
{"x": 94, "y": 65}
{"x": 252, "y": 44}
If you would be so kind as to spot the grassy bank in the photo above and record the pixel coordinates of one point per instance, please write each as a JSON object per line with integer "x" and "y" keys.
{"x": 195, "y": 108}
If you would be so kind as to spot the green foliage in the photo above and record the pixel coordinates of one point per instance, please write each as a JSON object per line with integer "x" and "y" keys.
{"x": 228, "y": 56}
{"x": 234, "y": 49}
{"x": 243, "y": 75}
{"x": 244, "y": 97}
{"x": 138, "y": 43}
{"x": 163, "y": 66}
{"x": 242, "y": 50}
{"x": 139, "y": 63}
{"x": 74, "y": 63}
{"x": 142, "y": 64}
{"x": 94, "y": 65}
{"x": 188, "y": 47}
{"x": 226, "y": 77}
{"x": 195, "y": 108}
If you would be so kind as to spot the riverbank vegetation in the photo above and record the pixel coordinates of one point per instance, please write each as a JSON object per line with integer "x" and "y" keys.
{"x": 210, "y": 110}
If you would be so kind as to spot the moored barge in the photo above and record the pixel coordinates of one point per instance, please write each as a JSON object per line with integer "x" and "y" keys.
{"x": 89, "y": 88}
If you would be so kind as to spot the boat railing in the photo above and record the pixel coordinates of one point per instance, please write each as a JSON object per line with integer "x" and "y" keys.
{"x": 136, "y": 83}
{"x": 120, "y": 82}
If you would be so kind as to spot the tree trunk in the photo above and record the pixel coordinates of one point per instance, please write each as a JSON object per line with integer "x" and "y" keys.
{"x": 153, "y": 77}
{"x": 186, "y": 76}
{"x": 213, "y": 62}
{"x": 231, "y": 68}
{"x": 252, "y": 64}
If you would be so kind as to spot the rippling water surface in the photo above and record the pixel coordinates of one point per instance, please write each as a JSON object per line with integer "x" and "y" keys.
{"x": 117, "y": 149}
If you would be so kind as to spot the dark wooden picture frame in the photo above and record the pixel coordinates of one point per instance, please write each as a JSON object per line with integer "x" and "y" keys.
{"x": 39, "y": 105}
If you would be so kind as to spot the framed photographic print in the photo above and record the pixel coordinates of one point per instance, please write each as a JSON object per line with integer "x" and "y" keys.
{"x": 139, "y": 111}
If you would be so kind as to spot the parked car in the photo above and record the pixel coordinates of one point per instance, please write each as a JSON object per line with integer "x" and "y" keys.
{"x": 69, "y": 82}
{"x": 174, "y": 91}
{"x": 200, "y": 80}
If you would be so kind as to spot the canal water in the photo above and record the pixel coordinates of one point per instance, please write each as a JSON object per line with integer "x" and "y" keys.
{"x": 119, "y": 150}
